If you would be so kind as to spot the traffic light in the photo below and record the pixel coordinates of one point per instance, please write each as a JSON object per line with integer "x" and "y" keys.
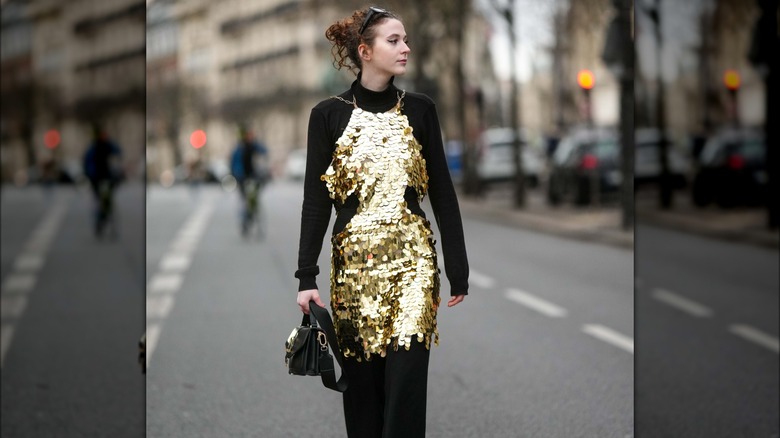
{"x": 585, "y": 79}
{"x": 198, "y": 138}
{"x": 51, "y": 139}
{"x": 731, "y": 79}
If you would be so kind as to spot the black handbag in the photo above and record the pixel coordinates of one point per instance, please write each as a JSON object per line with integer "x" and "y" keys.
{"x": 306, "y": 349}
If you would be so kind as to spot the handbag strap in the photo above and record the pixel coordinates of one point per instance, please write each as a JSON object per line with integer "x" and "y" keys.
{"x": 327, "y": 371}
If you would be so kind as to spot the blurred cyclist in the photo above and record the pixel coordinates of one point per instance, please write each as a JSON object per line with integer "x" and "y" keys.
{"x": 102, "y": 168}
{"x": 249, "y": 166}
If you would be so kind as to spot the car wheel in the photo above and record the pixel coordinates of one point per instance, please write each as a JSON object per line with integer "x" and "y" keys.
{"x": 582, "y": 194}
{"x": 553, "y": 193}
{"x": 700, "y": 192}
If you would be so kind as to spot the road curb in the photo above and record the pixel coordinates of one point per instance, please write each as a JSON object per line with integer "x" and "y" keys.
{"x": 548, "y": 225}
{"x": 692, "y": 225}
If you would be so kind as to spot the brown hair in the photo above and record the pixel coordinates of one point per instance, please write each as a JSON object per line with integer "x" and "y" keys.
{"x": 346, "y": 39}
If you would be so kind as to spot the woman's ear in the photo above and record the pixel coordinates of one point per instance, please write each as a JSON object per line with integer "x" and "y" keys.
{"x": 364, "y": 52}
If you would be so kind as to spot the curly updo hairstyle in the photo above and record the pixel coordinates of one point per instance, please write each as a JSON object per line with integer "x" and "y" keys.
{"x": 345, "y": 36}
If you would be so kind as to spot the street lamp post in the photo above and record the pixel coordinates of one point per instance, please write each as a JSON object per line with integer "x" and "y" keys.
{"x": 618, "y": 55}
{"x": 731, "y": 80}
{"x": 586, "y": 81}
{"x": 519, "y": 192}
{"x": 665, "y": 189}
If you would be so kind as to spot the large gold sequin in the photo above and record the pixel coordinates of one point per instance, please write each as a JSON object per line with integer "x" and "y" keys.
{"x": 384, "y": 273}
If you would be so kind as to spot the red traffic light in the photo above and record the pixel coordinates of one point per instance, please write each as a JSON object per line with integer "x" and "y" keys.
{"x": 731, "y": 79}
{"x": 51, "y": 139}
{"x": 198, "y": 139}
{"x": 585, "y": 79}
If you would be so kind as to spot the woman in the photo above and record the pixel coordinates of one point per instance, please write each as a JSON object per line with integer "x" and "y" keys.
{"x": 373, "y": 152}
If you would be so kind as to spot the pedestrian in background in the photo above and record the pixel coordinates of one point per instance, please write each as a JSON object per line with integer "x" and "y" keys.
{"x": 251, "y": 169}
{"x": 374, "y": 152}
{"x": 103, "y": 168}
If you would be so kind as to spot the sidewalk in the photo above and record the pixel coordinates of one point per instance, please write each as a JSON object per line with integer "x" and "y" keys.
{"x": 595, "y": 224}
{"x": 603, "y": 224}
{"x": 745, "y": 225}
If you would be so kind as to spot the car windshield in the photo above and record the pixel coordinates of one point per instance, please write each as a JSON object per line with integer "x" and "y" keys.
{"x": 606, "y": 149}
{"x": 753, "y": 149}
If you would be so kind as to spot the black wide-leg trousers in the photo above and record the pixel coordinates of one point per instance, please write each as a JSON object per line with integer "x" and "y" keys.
{"x": 387, "y": 396}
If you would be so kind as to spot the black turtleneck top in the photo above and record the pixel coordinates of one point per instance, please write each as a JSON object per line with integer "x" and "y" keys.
{"x": 326, "y": 123}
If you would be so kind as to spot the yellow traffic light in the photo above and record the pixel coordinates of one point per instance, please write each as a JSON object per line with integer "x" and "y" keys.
{"x": 731, "y": 79}
{"x": 585, "y": 79}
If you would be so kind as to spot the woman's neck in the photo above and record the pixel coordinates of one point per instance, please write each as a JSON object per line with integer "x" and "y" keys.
{"x": 374, "y": 82}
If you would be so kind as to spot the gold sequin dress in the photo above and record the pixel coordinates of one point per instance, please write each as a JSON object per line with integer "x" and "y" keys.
{"x": 384, "y": 273}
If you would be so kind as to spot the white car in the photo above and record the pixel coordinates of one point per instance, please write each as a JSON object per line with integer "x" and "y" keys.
{"x": 647, "y": 165}
{"x": 295, "y": 168}
{"x": 496, "y": 158}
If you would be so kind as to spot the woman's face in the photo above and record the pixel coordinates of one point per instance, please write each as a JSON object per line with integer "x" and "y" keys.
{"x": 389, "y": 53}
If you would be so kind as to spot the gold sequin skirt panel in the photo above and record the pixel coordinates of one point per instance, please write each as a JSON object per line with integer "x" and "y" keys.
{"x": 384, "y": 286}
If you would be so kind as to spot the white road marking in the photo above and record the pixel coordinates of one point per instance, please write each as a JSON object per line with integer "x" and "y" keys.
{"x": 6, "y": 334}
{"x": 12, "y": 306}
{"x": 480, "y": 280}
{"x": 756, "y": 336}
{"x": 165, "y": 283}
{"x": 22, "y": 283}
{"x": 177, "y": 259}
{"x": 175, "y": 262}
{"x": 535, "y": 303}
{"x": 682, "y": 303}
{"x": 158, "y": 306}
{"x": 28, "y": 262}
{"x": 187, "y": 245}
{"x": 152, "y": 336}
{"x": 22, "y": 279}
{"x": 610, "y": 336}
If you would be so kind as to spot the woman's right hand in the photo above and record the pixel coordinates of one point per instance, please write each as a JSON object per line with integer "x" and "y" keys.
{"x": 305, "y": 296}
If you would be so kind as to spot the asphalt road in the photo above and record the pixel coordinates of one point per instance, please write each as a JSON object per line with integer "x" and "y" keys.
{"x": 707, "y": 337}
{"x": 542, "y": 347}
{"x": 72, "y": 314}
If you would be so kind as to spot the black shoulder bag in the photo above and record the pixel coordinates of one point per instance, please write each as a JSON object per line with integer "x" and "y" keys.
{"x": 306, "y": 349}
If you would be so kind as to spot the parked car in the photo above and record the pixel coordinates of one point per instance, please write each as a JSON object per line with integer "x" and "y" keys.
{"x": 647, "y": 163}
{"x": 296, "y": 165}
{"x": 496, "y": 162}
{"x": 731, "y": 170}
{"x": 586, "y": 162}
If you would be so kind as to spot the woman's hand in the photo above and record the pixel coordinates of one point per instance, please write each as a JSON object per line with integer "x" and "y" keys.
{"x": 305, "y": 296}
{"x": 455, "y": 300}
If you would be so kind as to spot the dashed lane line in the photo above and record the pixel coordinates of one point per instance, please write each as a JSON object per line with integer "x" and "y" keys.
{"x": 681, "y": 303}
{"x": 480, "y": 280}
{"x": 163, "y": 286}
{"x": 610, "y": 336}
{"x": 6, "y": 334}
{"x": 164, "y": 282}
{"x": 755, "y": 336}
{"x": 21, "y": 281}
{"x": 535, "y": 303}
{"x": 12, "y": 306}
{"x": 175, "y": 262}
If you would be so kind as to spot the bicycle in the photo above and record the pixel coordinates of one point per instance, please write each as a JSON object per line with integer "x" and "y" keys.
{"x": 252, "y": 220}
{"x": 104, "y": 216}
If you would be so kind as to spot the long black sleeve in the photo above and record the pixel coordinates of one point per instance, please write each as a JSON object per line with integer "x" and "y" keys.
{"x": 445, "y": 203}
{"x": 317, "y": 205}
